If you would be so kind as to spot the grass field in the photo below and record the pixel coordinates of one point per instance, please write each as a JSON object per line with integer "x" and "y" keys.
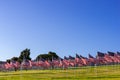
{"x": 82, "y": 73}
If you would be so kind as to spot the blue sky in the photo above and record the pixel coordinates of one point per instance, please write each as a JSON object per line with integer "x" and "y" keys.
{"x": 66, "y": 27}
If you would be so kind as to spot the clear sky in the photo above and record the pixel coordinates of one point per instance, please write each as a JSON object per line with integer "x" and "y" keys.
{"x": 66, "y": 27}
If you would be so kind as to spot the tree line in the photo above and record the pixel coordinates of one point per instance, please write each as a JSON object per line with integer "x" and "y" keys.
{"x": 25, "y": 55}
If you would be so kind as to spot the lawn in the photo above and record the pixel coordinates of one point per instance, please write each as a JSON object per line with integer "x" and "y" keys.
{"x": 111, "y": 72}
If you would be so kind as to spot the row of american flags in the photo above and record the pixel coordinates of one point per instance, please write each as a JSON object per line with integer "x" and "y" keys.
{"x": 108, "y": 58}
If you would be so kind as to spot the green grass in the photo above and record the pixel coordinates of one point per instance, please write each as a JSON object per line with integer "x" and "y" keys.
{"x": 82, "y": 73}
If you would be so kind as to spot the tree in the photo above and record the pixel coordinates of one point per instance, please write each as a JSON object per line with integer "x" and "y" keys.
{"x": 8, "y": 60}
{"x": 25, "y": 55}
{"x": 50, "y": 56}
{"x": 14, "y": 59}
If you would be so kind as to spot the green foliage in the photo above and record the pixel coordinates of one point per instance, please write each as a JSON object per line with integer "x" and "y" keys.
{"x": 25, "y": 54}
{"x": 49, "y": 56}
{"x": 14, "y": 59}
{"x": 8, "y": 60}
